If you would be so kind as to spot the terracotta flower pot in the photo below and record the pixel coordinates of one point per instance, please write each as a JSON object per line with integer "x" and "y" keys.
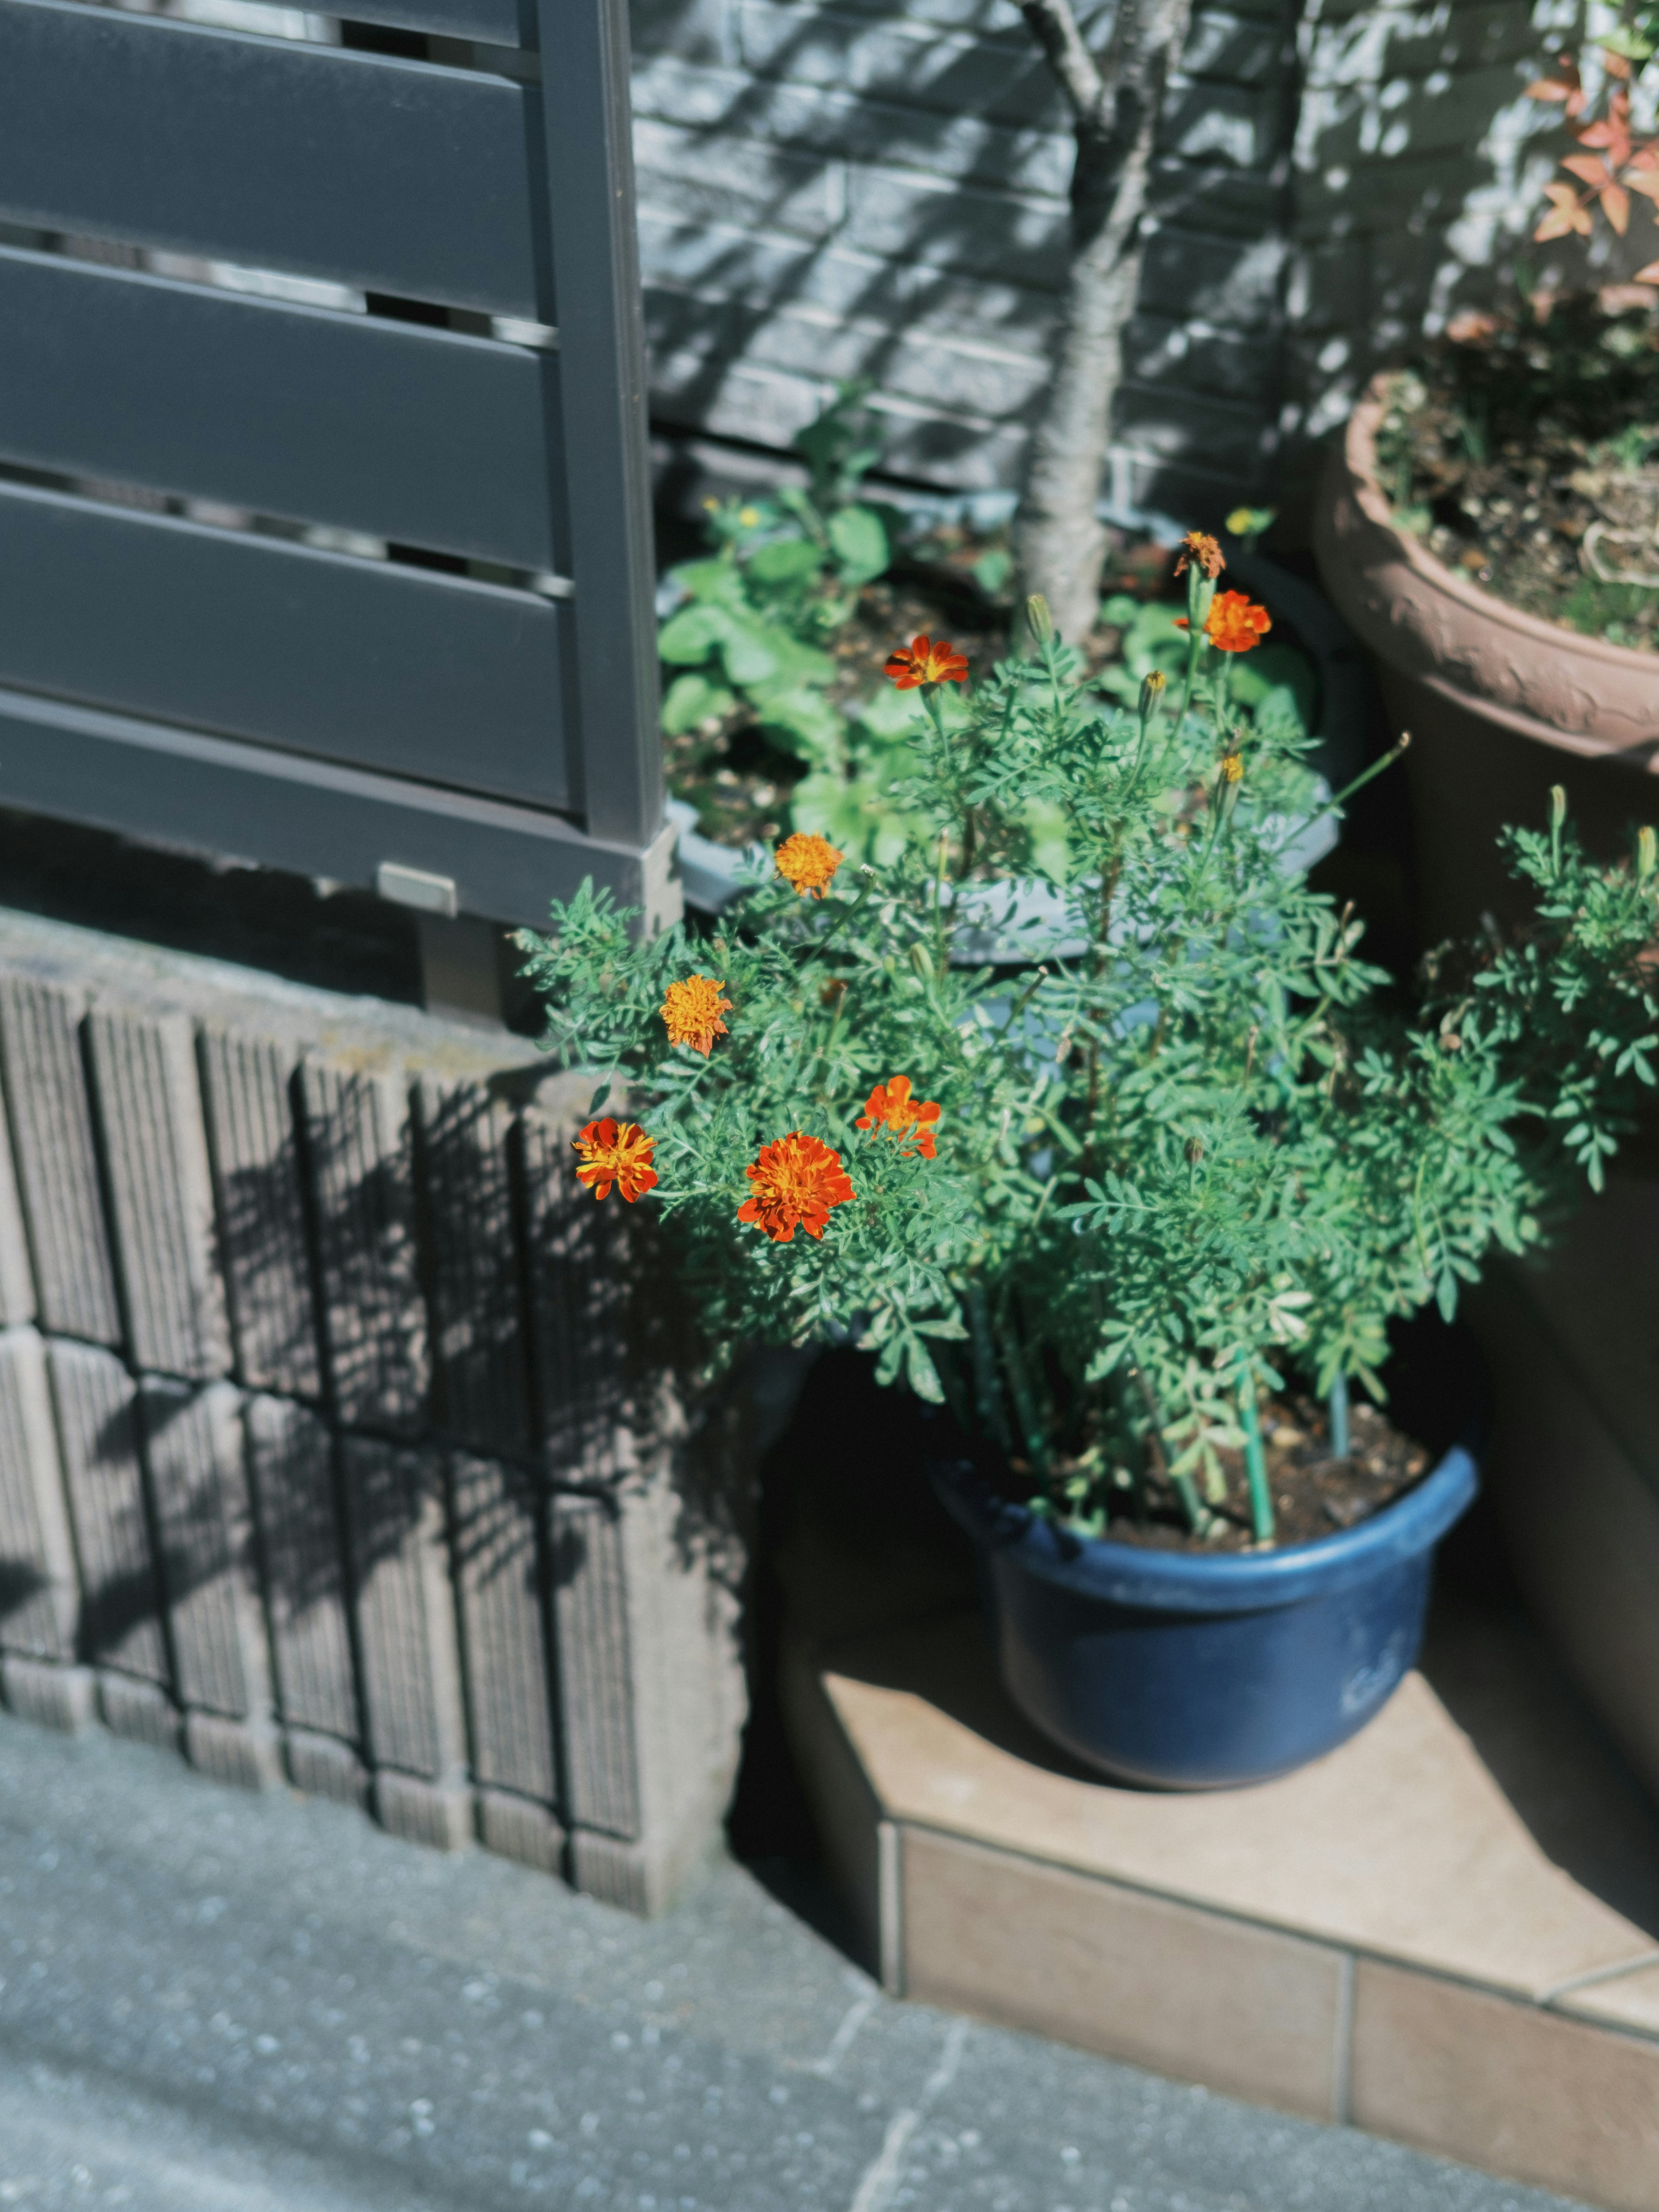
{"x": 1500, "y": 705}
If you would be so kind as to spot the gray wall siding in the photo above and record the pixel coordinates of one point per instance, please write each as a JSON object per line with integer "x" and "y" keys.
{"x": 831, "y": 190}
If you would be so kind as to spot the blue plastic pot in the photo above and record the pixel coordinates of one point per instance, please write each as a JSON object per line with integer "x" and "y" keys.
{"x": 1180, "y": 1671}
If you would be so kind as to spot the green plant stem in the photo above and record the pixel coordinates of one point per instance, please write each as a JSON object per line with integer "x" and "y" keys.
{"x": 1255, "y": 1459}
{"x": 987, "y": 1391}
{"x": 1036, "y": 1444}
{"x": 1341, "y": 798}
{"x": 1337, "y": 1409}
{"x": 1198, "y": 1517}
{"x": 950, "y": 1382}
{"x": 1194, "y": 647}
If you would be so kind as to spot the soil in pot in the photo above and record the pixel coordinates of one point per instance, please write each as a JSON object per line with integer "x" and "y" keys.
{"x": 741, "y": 781}
{"x": 1314, "y": 1492}
{"x": 1523, "y": 453}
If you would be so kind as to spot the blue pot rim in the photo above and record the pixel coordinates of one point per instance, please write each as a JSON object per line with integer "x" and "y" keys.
{"x": 1196, "y": 1582}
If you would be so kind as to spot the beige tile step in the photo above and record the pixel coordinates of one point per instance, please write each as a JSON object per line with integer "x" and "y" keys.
{"x": 1446, "y": 1932}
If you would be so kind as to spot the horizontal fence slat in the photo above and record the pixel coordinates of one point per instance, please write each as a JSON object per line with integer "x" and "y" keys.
{"x": 491, "y": 22}
{"x": 419, "y": 436}
{"x": 370, "y": 664}
{"x": 215, "y": 796}
{"x": 396, "y": 176}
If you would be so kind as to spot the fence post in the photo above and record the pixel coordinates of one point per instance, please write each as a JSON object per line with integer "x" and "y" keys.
{"x": 617, "y": 780}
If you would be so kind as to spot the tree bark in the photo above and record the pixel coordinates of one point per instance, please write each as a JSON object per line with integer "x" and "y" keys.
{"x": 1115, "y": 103}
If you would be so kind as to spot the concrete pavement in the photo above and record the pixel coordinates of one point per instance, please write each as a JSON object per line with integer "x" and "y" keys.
{"x": 220, "y": 2003}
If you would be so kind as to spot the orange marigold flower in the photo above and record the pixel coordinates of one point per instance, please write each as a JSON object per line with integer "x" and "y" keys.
{"x": 921, "y": 661}
{"x": 1199, "y": 551}
{"x": 614, "y": 1151}
{"x": 808, "y": 862}
{"x": 891, "y": 1110}
{"x": 692, "y": 1010}
{"x": 1233, "y": 624}
{"x": 1232, "y": 767}
{"x": 796, "y": 1181}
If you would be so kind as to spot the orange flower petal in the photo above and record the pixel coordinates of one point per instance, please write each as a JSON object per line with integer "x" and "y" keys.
{"x": 614, "y": 1152}
{"x": 808, "y": 863}
{"x": 796, "y": 1180}
{"x": 691, "y": 1012}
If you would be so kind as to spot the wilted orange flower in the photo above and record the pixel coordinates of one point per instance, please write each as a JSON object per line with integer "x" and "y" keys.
{"x": 921, "y": 661}
{"x": 1200, "y": 551}
{"x": 692, "y": 1010}
{"x": 796, "y": 1181}
{"x": 1232, "y": 767}
{"x": 891, "y": 1109}
{"x": 808, "y": 862}
{"x": 614, "y": 1151}
{"x": 1234, "y": 624}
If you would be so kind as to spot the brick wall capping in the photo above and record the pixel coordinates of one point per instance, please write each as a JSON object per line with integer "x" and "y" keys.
{"x": 351, "y": 1031}
{"x": 1404, "y": 1935}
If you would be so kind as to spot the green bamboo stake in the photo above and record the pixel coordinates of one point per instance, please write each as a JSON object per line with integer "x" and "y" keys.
{"x": 987, "y": 1392}
{"x": 1198, "y": 1516}
{"x": 1036, "y": 1444}
{"x": 1337, "y": 1409}
{"x": 1255, "y": 1459}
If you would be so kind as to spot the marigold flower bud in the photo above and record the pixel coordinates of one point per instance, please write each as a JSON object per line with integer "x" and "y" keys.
{"x": 1039, "y": 617}
{"x": 1647, "y": 855}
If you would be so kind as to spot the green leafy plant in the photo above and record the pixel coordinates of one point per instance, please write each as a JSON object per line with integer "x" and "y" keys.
{"x": 1101, "y": 1203}
{"x": 783, "y": 576}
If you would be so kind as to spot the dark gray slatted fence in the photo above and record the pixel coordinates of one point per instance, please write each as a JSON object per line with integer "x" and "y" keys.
{"x": 271, "y": 691}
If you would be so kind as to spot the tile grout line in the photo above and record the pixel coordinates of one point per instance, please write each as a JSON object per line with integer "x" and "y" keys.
{"x": 1342, "y": 2088}
{"x": 889, "y": 1907}
{"x": 1238, "y": 1916}
{"x": 1597, "y": 1975}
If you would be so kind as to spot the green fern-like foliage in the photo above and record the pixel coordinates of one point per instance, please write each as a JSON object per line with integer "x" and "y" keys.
{"x": 1188, "y": 1147}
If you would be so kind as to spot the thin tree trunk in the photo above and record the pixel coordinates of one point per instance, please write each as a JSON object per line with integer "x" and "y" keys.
{"x": 1115, "y": 104}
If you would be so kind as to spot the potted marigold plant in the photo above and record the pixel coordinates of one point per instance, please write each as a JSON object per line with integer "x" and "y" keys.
{"x": 1137, "y": 1217}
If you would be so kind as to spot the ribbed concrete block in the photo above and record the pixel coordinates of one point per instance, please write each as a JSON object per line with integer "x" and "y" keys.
{"x": 290, "y": 1459}
{"x": 143, "y": 1711}
{"x": 616, "y": 1873}
{"x": 249, "y": 1085}
{"x": 498, "y": 1571}
{"x": 18, "y": 1302}
{"x": 40, "y": 1587}
{"x": 205, "y": 1529}
{"x": 58, "y": 1176}
{"x": 597, "y": 1711}
{"x": 436, "y": 1814}
{"x": 651, "y": 1682}
{"x": 62, "y": 1698}
{"x": 161, "y": 1186}
{"x": 97, "y": 1429}
{"x": 518, "y": 1828}
{"x": 465, "y": 1137}
{"x": 324, "y": 1767}
{"x": 359, "y": 1138}
{"x": 245, "y": 1754}
{"x": 395, "y": 1514}
{"x": 581, "y": 1325}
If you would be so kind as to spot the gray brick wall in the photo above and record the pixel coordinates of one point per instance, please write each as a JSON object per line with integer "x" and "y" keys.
{"x": 334, "y": 1438}
{"x": 830, "y": 189}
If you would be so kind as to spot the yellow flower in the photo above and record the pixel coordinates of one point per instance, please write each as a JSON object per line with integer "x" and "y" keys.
{"x": 692, "y": 1011}
{"x": 808, "y": 862}
{"x": 616, "y": 1152}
